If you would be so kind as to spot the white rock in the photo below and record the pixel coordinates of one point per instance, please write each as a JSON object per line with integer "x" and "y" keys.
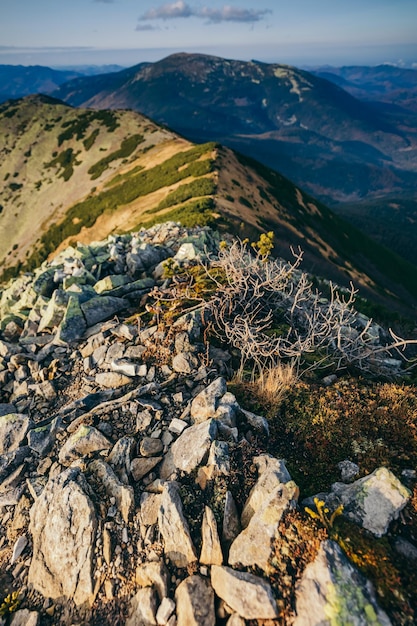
{"x": 205, "y": 404}
{"x": 174, "y": 529}
{"x": 195, "y": 602}
{"x": 143, "y": 608}
{"x": 166, "y": 609}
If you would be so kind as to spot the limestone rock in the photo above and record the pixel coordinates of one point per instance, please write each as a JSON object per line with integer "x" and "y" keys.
{"x": 86, "y": 439}
{"x": 166, "y": 609}
{"x": 143, "y": 608}
{"x": 248, "y": 595}
{"x": 125, "y": 499}
{"x": 211, "y": 551}
{"x": 272, "y": 473}
{"x": 174, "y": 529}
{"x": 149, "y": 508}
{"x": 111, "y": 380}
{"x": 373, "y": 501}
{"x": 204, "y": 405}
{"x": 63, "y": 526}
{"x": 190, "y": 449}
{"x": 73, "y": 325}
{"x": 13, "y": 430}
{"x": 195, "y": 602}
{"x": 150, "y": 446}
{"x": 332, "y": 591}
{"x": 24, "y": 617}
{"x": 184, "y": 363}
{"x": 142, "y": 466}
{"x": 231, "y": 523}
{"x": 101, "y": 308}
{"x": 120, "y": 458}
{"x": 154, "y": 574}
{"x": 253, "y": 545}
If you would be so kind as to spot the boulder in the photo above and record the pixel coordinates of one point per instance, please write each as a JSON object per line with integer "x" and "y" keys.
{"x": 63, "y": 527}
{"x": 205, "y": 404}
{"x": 13, "y": 430}
{"x": 195, "y": 602}
{"x": 174, "y": 529}
{"x": 190, "y": 449}
{"x": 332, "y": 591}
{"x": 248, "y": 595}
{"x": 85, "y": 440}
{"x": 373, "y": 502}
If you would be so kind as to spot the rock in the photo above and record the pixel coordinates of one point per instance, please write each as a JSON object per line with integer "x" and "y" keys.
{"x": 235, "y": 620}
{"x": 348, "y": 470}
{"x": 211, "y": 551}
{"x": 248, "y": 595}
{"x": 149, "y": 508}
{"x": 120, "y": 457}
{"x": 112, "y": 380}
{"x": 125, "y": 500}
{"x": 142, "y": 466}
{"x": 143, "y": 608}
{"x": 405, "y": 548}
{"x": 126, "y": 368}
{"x": 166, "y": 609}
{"x": 153, "y": 574}
{"x": 331, "y": 591}
{"x": 13, "y": 430}
{"x": 257, "y": 422}
{"x": 42, "y": 439}
{"x": 7, "y": 409}
{"x": 107, "y": 546}
{"x": 174, "y": 529}
{"x": 24, "y": 617}
{"x": 205, "y": 404}
{"x": 253, "y": 545}
{"x": 63, "y": 527}
{"x": 18, "y": 548}
{"x": 177, "y": 426}
{"x": 219, "y": 459}
{"x": 231, "y": 523}
{"x": 55, "y": 311}
{"x": 108, "y": 283}
{"x": 150, "y": 446}
{"x": 190, "y": 449}
{"x": 272, "y": 473}
{"x": 85, "y": 440}
{"x": 73, "y": 325}
{"x": 373, "y": 502}
{"x": 195, "y": 602}
{"x": 101, "y": 308}
{"x": 184, "y": 363}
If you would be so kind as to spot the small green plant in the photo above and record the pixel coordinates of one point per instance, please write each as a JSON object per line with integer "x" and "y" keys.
{"x": 322, "y": 513}
{"x": 9, "y": 604}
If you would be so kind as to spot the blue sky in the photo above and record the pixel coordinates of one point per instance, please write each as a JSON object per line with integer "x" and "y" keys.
{"x": 126, "y": 32}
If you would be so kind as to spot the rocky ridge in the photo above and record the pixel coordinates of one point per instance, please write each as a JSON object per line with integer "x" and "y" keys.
{"x": 123, "y": 457}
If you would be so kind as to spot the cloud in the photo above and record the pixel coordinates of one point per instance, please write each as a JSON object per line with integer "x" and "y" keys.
{"x": 227, "y": 13}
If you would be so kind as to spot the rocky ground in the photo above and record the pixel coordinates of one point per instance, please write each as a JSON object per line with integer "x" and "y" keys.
{"x": 134, "y": 488}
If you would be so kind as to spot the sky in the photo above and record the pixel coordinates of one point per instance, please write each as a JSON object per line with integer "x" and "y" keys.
{"x": 126, "y": 32}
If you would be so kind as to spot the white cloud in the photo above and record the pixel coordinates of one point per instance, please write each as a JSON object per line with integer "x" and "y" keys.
{"x": 227, "y": 13}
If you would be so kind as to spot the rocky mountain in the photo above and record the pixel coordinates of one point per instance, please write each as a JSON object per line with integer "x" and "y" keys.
{"x": 139, "y": 484}
{"x": 17, "y": 81}
{"x": 74, "y": 174}
{"x": 383, "y": 83}
{"x": 330, "y": 143}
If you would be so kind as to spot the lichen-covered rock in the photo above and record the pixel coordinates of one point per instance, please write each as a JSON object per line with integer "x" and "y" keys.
{"x": 13, "y": 430}
{"x": 86, "y": 439}
{"x": 63, "y": 527}
{"x": 101, "y": 308}
{"x": 248, "y": 595}
{"x": 174, "y": 529}
{"x": 332, "y": 591}
{"x": 73, "y": 324}
{"x": 195, "y": 602}
{"x": 373, "y": 501}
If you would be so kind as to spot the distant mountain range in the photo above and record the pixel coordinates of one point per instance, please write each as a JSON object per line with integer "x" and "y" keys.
{"x": 383, "y": 83}
{"x": 17, "y": 81}
{"x": 332, "y": 144}
{"x": 71, "y": 175}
